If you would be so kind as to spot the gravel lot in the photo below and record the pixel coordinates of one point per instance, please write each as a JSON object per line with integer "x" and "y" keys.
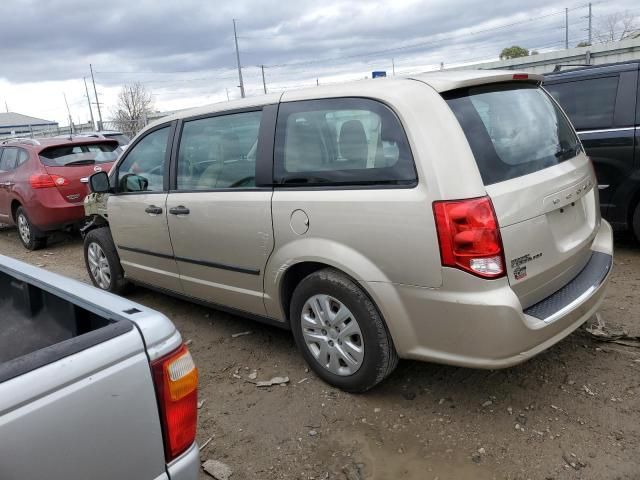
{"x": 573, "y": 412}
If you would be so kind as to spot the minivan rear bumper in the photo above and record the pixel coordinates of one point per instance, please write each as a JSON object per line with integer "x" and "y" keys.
{"x": 481, "y": 323}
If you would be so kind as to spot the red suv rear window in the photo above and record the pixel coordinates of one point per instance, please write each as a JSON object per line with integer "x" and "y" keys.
{"x": 82, "y": 154}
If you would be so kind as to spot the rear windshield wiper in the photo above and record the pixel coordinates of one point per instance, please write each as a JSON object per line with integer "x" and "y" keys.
{"x": 566, "y": 152}
{"x": 80, "y": 162}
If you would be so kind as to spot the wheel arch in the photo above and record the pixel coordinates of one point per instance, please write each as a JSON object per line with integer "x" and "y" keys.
{"x": 288, "y": 267}
{"x": 15, "y": 205}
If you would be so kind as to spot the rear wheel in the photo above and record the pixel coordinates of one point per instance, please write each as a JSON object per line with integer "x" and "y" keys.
{"x": 340, "y": 332}
{"x": 27, "y": 233}
{"x": 103, "y": 262}
{"x": 635, "y": 224}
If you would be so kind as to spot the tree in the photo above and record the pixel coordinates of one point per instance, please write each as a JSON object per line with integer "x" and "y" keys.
{"x": 583, "y": 44}
{"x": 513, "y": 52}
{"x": 617, "y": 26}
{"x": 134, "y": 104}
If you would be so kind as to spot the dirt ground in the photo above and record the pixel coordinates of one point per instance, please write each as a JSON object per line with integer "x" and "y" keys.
{"x": 572, "y": 412}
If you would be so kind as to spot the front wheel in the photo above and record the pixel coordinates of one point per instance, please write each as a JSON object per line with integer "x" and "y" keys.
{"x": 27, "y": 233}
{"x": 103, "y": 262}
{"x": 340, "y": 332}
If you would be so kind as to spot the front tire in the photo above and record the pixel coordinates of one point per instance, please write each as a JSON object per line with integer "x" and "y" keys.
{"x": 27, "y": 233}
{"x": 340, "y": 332}
{"x": 103, "y": 262}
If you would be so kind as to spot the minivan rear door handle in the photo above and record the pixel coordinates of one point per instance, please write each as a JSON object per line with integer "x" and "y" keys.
{"x": 181, "y": 210}
{"x": 153, "y": 210}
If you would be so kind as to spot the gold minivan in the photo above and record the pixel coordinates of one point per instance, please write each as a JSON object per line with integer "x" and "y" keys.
{"x": 450, "y": 217}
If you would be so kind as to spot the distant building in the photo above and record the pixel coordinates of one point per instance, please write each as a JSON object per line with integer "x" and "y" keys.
{"x": 20, "y": 125}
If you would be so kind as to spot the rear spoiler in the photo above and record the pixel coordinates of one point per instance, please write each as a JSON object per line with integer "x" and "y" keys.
{"x": 452, "y": 80}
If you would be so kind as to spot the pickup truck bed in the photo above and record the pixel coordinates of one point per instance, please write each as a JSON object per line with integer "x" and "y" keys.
{"x": 77, "y": 392}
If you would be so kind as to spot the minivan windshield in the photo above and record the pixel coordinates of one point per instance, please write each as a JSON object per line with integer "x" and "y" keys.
{"x": 513, "y": 129}
{"x": 86, "y": 154}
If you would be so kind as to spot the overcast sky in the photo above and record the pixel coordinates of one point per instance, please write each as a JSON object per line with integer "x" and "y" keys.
{"x": 183, "y": 51}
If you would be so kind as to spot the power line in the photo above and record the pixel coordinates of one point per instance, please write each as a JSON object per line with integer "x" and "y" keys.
{"x": 423, "y": 44}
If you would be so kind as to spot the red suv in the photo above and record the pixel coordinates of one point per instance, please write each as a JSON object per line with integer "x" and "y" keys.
{"x": 43, "y": 183}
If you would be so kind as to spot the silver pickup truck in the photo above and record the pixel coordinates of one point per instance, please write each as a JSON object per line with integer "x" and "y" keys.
{"x": 92, "y": 386}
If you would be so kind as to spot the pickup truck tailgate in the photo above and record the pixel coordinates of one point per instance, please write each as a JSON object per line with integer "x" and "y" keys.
{"x": 106, "y": 389}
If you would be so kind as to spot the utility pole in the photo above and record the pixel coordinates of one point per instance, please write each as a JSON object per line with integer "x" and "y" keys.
{"x": 86, "y": 89}
{"x": 6, "y": 106}
{"x": 235, "y": 36}
{"x": 69, "y": 112}
{"x": 227, "y": 94}
{"x": 393, "y": 66}
{"x": 264, "y": 83}
{"x": 95, "y": 91}
{"x": 317, "y": 82}
{"x": 590, "y": 18}
{"x": 566, "y": 29}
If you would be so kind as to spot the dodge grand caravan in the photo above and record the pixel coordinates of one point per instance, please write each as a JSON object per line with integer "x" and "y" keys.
{"x": 452, "y": 217}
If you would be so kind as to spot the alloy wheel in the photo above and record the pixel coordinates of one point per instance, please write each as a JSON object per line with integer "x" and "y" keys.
{"x": 24, "y": 229}
{"x": 332, "y": 335}
{"x": 99, "y": 266}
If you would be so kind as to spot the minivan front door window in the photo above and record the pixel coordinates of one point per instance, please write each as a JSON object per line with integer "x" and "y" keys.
{"x": 143, "y": 168}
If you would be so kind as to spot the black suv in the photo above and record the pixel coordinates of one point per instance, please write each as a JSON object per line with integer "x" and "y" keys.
{"x": 603, "y": 103}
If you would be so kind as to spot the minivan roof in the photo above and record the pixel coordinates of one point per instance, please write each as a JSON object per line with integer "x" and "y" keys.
{"x": 440, "y": 81}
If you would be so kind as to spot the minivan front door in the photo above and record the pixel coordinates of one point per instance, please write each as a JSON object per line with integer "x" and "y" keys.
{"x": 219, "y": 219}
{"x": 137, "y": 212}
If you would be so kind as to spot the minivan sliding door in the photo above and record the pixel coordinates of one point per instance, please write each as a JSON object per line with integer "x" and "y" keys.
{"x": 219, "y": 207}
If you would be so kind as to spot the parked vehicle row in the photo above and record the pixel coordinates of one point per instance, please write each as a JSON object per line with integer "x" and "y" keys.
{"x": 43, "y": 183}
{"x": 91, "y": 385}
{"x": 603, "y": 103}
{"x": 450, "y": 217}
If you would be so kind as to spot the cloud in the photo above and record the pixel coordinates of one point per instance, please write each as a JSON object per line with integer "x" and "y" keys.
{"x": 183, "y": 51}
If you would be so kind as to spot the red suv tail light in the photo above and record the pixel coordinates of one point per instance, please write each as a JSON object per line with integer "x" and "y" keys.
{"x": 469, "y": 236}
{"x": 47, "y": 181}
{"x": 176, "y": 380}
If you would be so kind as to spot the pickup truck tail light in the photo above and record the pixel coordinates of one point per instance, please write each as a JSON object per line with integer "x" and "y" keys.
{"x": 176, "y": 380}
{"x": 469, "y": 236}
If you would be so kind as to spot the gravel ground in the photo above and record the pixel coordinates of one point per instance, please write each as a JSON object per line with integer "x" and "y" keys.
{"x": 572, "y": 412}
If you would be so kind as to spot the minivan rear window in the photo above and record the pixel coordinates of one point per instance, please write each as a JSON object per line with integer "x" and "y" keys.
{"x": 513, "y": 129}
{"x": 86, "y": 154}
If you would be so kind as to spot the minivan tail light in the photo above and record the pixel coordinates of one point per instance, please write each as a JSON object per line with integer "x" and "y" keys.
{"x": 469, "y": 236}
{"x": 47, "y": 181}
{"x": 176, "y": 381}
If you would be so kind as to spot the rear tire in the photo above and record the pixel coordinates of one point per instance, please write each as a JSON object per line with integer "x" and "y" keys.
{"x": 340, "y": 332}
{"x": 103, "y": 262}
{"x": 635, "y": 223}
{"x": 28, "y": 235}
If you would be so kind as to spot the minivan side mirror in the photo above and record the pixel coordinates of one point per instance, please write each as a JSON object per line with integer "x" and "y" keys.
{"x": 99, "y": 182}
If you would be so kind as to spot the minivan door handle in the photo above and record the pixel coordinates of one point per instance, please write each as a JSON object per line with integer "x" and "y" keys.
{"x": 181, "y": 210}
{"x": 153, "y": 210}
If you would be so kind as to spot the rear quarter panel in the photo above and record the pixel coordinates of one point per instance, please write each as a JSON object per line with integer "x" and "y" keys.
{"x": 379, "y": 234}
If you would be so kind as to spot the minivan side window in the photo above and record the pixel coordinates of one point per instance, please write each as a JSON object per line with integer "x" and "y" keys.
{"x": 589, "y": 103}
{"x": 341, "y": 141}
{"x": 219, "y": 152}
{"x": 9, "y": 159}
{"x": 143, "y": 168}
